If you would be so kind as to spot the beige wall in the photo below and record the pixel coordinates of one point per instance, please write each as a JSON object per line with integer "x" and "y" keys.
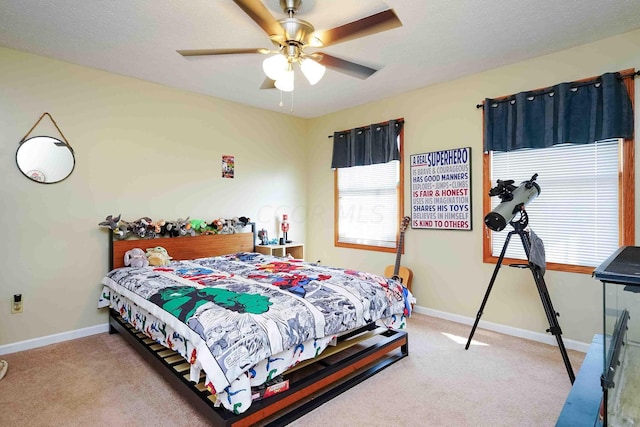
{"x": 141, "y": 150}
{"x": 449, "y": 275}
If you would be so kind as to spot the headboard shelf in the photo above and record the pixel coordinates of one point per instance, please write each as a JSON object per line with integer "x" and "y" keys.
{"x": 187, "y": 247}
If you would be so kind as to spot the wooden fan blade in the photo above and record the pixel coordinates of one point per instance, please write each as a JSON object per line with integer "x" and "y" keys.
{"x": 200, "y": 52}
{"x": 344, "y": 66}
{"x": 377, "y": 23}
{"x": 268, "y": 84}
{"x": 259, "y": 13}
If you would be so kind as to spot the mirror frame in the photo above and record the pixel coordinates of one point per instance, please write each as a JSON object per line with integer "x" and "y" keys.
{"x": 32, "y": 173}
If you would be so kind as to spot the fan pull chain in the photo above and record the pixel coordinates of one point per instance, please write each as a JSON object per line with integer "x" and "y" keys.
{"x": 282, "y": 103}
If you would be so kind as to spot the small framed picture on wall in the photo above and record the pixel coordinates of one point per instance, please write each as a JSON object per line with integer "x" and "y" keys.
{"x": 228, "y": 166}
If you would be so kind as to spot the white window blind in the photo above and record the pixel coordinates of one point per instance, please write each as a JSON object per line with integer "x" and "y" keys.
{"x": 576, "y": 213}
{"x": 368, "y": 204}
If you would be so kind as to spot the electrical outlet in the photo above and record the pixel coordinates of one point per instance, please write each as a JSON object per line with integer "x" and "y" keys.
{"x": 16, "y": 304}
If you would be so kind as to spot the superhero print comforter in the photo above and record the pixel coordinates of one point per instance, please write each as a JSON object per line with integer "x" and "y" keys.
{"x": 246, "y": 318}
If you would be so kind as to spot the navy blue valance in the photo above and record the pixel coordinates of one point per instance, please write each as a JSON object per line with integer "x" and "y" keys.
{"x": 580, "y": 113}
{"x": 376, "y": 143}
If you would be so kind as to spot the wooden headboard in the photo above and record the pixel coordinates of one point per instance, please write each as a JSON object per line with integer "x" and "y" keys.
{"x": 187, "y": 247}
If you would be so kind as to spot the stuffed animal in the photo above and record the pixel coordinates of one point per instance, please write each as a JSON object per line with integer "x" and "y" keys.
{"x": 110, "y": 222}
{"x": 119, "y": 228}
{"x": 141, "y": 227}
{"x": 136, "y": 258}
{"x": 198, "y": 225}
{"x": 235, "y": 225}
{"x": 170, "y": 229}
{"x": 216, "y": 225}
{"x": 154, "y": 228}
{"x": 240, "y": 223}
{"x": 184, "y": 227}
{"x": 158, "y": 256}
{"x": 228, "y": 227}
{"x": 123, "y": 230}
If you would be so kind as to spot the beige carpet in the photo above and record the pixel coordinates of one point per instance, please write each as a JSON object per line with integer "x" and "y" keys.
{"x": 503, "y": 381}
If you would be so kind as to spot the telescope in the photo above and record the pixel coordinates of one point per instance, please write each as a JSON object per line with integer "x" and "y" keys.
{"x": 513, "y": 200}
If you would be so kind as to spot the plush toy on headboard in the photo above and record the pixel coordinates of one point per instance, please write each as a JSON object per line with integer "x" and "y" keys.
{"x": 216, "y": 225}
{"x": 110, "y": 222}
{"x": 240, "y": 223}
{"x": 135, "y": 258}
{"x": 198, "y": 225}
{"x": 184, "y": 227}
{"x": 231, "y": 226}
{"x": 141, "y": 227}
{"x": 120, "y": 229}
{"x": 158, "y": 256}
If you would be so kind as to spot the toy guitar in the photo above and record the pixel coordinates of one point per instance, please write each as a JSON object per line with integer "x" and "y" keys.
{"x": 396, "y": 271}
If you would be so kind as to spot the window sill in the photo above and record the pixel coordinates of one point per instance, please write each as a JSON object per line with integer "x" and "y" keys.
{"x": 365, "y": 247}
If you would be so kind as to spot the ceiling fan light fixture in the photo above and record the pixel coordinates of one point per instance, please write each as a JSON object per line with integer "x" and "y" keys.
{"x": 285, "y": 82}
{"x": 291, "y": 36}
{"x": 275, "y": 66}
{"x": 312, "y": 70}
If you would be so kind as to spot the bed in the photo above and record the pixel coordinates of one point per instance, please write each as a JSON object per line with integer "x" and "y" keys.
{"x": 229, "y": 326}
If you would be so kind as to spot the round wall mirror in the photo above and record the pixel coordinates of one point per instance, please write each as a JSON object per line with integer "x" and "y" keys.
{"x": 45, "y": 159}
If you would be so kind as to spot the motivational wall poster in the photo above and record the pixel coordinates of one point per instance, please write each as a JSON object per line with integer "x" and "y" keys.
{"x": 441, "y": 189}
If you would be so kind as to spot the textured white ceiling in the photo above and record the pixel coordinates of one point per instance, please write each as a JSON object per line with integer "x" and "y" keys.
{"x": 439, "y": 40}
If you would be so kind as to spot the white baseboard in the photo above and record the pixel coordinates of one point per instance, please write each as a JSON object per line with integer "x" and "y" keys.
{"x": 507, "y": 330}
{"x": 52, "y": 339}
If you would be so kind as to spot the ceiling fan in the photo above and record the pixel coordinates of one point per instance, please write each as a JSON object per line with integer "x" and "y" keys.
{"x": 291, "y": 36}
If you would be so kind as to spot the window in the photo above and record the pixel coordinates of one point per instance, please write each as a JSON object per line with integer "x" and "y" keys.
{"x": 578, "y": 210}
{"x": 586, "y": 207}
{"x": 368, "y": 205}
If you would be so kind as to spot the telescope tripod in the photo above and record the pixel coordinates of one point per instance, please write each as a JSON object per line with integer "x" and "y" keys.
{"x": 552, "y": 315}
